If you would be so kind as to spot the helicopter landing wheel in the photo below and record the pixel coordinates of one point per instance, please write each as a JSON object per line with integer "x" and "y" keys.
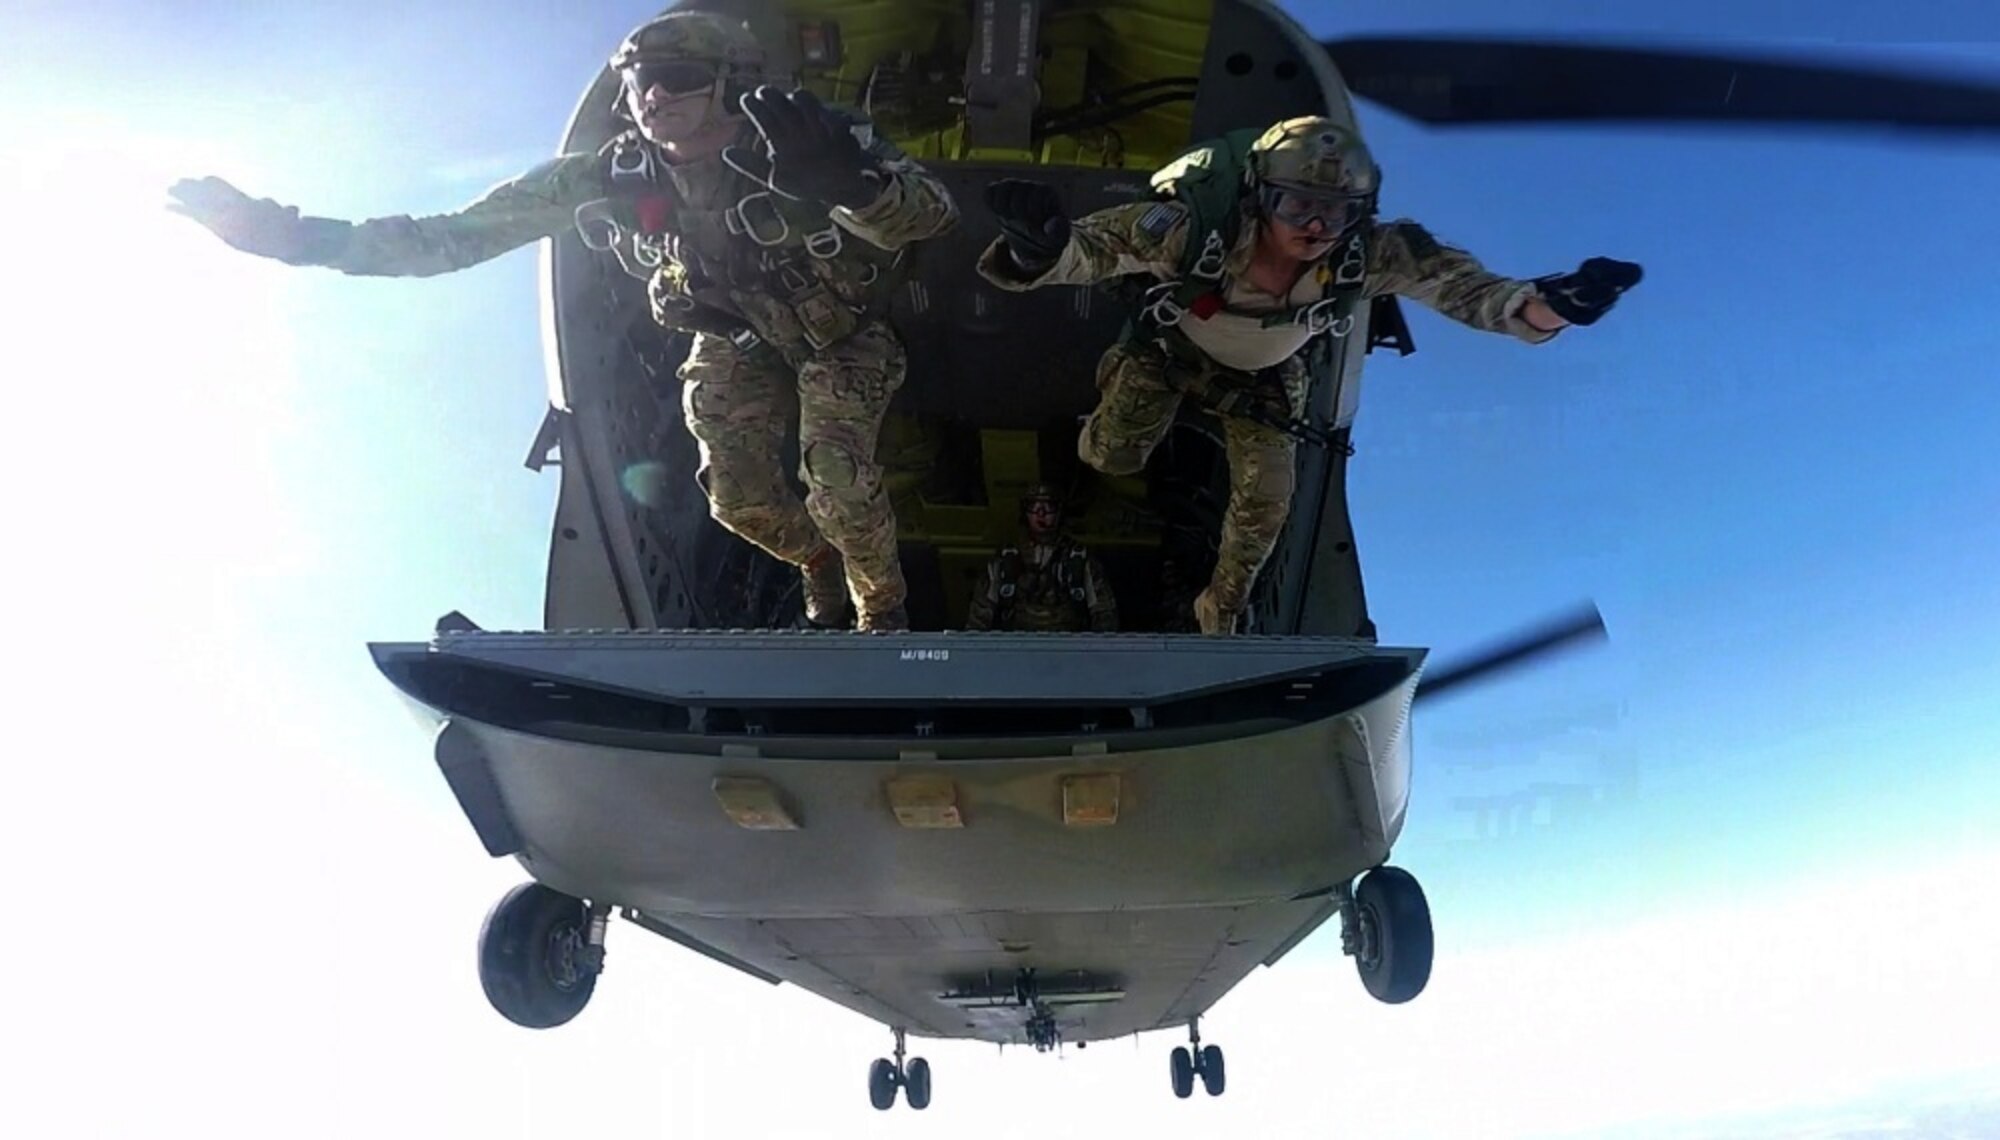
{"x": 913, "y": 1077}
{"x": 540, "y": 952}
{"x": 1196, "y": 1060}
{"x": 1391, "y": 935}
{"x": 1209, "y": 1065}
{"x": 1204, "y": 1061}
{"x": 882, "y": 1083}
{"x": 1182, "y": 1067}
{"x": 917, "y": 1084}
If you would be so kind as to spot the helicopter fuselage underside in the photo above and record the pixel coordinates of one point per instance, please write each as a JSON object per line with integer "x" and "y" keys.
{"x": 846, "y": 812}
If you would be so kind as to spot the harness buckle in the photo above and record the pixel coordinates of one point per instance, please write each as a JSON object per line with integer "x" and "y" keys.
{"x": 649, "y": 250}
{"x": 1208, "y": 266}
{"x": 594, "y": 218}
{"x": 1160, "y": 307}
{"x": 825, "y": 244}
{"x": 1353, "y": 262}
{"x": 736, "y": 219}
{"x": 793, "y": 278}
{"x": 633, "y": 163}
{"x": 744, "y": 339}
{"x": 1319, "y": 317}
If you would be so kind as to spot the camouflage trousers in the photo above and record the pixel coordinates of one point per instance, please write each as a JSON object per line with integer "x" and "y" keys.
{"x": 1141, "y": 386}
{"x": 738, "y": 408}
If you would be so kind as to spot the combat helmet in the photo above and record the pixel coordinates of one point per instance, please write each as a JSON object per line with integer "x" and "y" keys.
{"x": 1316, "y": 160}
{"x": 1043, "y": 493}
{"x": 705, "y": 37}
{"x": 691, "y": 51}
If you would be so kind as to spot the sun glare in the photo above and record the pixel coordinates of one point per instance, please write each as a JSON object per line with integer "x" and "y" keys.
{"x": 154, "y": 367}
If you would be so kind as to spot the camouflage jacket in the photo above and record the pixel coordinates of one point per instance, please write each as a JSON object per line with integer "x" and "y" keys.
{"x": 798, "y": 273}
{"x": 1147, "y": 238}
{"x": 706, "y": 271}
{"x": 1067, "y": 591}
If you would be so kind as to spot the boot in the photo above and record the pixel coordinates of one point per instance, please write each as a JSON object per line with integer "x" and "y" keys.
{"x": 825, "y": 589}
{"x": 896, "y": 619}
{"x": 1214, "y": 620}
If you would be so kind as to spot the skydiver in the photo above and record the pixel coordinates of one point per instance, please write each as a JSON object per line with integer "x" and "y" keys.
{"x": 741, "y": 205}
{"x": 1232, "y": 319}
{"x": 1049, "y": 584}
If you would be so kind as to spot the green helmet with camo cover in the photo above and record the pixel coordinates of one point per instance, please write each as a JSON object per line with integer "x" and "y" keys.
{"x": 689, "y": 51}
{"x": 1313, "y": 167}
{"x": 1044, "y": 493}
{"x": 1041, "y": 493}
{"x": 1314, "y": 154}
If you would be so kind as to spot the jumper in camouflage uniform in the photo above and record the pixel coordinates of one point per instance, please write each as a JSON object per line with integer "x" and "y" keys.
{"x": 783, "y": 289}
{"x": 1049, "y": 584}
{"x": 1233, "y": 352}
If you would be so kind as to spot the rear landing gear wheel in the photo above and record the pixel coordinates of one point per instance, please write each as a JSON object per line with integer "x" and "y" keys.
{"x": 538, "y": 962}
{"x": 1182, "y": 1065}
{"x": 912, "y": 1077}
{"x": 1209, "y": 1066}
{"x": 1196, "y": 1060}
{"x": 1393, "y": 945}
{"x": 917, "y": 1084}
{"x": 882, "y": 1083}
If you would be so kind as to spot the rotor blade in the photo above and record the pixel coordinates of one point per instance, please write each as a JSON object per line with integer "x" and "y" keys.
{"x": 1446, "y": 80}
{"x": 1586, "y": 623}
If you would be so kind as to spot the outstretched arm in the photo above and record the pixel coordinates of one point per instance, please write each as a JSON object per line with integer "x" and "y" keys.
{"x": 1137, "y": 237}
{"x": 1405, "y": 259}
{"x": 538, "y": 204}
{"x": 912, "y": 206}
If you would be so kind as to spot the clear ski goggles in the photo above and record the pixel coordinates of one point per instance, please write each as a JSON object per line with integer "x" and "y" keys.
{"x": 1300, "y": 207}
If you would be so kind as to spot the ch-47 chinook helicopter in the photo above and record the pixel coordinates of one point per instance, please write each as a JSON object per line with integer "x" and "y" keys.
{"x": 1014, "y": 838}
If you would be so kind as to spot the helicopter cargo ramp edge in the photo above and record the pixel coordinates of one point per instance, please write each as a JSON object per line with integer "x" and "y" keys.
{"x": 893, "y": 821}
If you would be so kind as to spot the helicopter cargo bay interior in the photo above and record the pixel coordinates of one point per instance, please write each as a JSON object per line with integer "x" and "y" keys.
{"x": 1088, "y": 96}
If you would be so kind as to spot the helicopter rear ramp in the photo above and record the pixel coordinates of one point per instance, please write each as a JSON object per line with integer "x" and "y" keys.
{"x": 918, "y": 825}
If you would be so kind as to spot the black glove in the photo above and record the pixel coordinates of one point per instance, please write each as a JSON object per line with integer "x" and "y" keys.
{"x": 1587, "y": 294}
{"x": 809, "y": 152}
{"x": 257, "y": 225}
{"x": 1032, "y": 223}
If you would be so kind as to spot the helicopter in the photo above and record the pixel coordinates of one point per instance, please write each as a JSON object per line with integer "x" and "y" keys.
{"x": 1026, "y": 839}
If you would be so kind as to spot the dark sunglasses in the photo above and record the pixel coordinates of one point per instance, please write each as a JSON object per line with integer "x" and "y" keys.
{"x": 672, "y": 77}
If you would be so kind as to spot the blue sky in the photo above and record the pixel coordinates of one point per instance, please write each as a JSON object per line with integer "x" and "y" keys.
{"x": 1768, "y": 467}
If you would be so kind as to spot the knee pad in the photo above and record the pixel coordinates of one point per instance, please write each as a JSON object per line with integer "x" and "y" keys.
{"x": 1275, "y": 483}
{"x": 1110, "y": 461}
{"x": 829, "y": 465}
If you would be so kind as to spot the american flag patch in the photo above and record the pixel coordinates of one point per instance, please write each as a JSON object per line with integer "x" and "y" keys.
{"x": 1156, "y": 221}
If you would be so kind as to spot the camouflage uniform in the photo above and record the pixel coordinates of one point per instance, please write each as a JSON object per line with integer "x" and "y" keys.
{"x": 1142, "y": 381}
{"x": 842, "y": 366}
{"x": 823, "y": 343}
{"x": 1044, "y": 587}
